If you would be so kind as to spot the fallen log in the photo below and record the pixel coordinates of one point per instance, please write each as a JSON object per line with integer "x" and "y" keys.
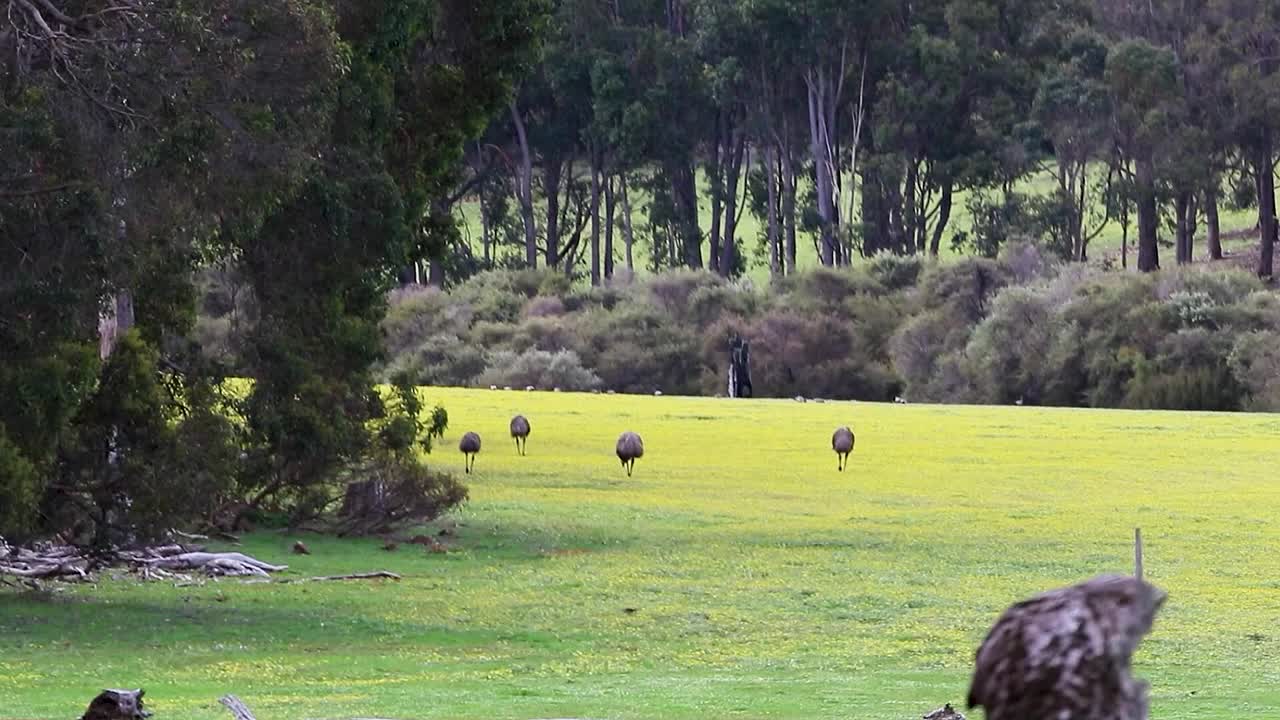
{"x": 231, "y": 563}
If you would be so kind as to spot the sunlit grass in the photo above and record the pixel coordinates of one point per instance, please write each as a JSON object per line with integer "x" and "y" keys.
{"x": 737, "y": 574}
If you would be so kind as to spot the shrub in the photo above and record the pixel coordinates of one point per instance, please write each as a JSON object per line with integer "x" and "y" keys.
{"x": 550, "y": 334}
{"x": 794, "y": 354}
{"x": 542, "y": 369}
{"x": 544, "y": 306}
{"x": 638, "y": 348}
{"x": 828, "y": 287}
{"x": 1010, "y": 349}
{"x": 896, "y": 272}
{"x": 672, "y": 291}
{"x": 417, "y": 314}
{"x": 1254, "y": 361}
{"x": 964, "y": 288}
{"x": 439, "y": 360}
{"x": 19, "y": 488}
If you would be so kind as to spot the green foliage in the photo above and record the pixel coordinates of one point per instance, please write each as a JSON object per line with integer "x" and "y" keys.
{"x": 20, "y": 486}
{"x": 542, "y": 369}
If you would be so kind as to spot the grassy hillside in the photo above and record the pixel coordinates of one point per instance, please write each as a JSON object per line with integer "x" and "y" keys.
{"x": 737, "y": 574}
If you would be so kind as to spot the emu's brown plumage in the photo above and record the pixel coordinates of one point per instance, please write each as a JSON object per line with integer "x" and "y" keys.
{"x": 842, "y": 443}
{"x": 630, "y": 448}
{"x": 520, "y": 432}
{"x": 470, "y": 447}
{"x": 1067, "y": 653}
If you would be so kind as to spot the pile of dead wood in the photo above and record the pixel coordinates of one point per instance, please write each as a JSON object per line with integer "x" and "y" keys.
{"x": 52, "y": 561}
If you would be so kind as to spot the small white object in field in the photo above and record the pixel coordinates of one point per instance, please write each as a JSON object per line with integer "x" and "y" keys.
{"x": 508, "y": 387}
{"x": 555, "y": 389}
{"x": 528, "y": 388}
{"x": 610, "y": 392}
{"x": 800, "y": 398}
{"x": 595, "y": 392}
{"x": 493, "y": 387}
{"x": 900, "y": 400}
{"x": 657, "y": 393}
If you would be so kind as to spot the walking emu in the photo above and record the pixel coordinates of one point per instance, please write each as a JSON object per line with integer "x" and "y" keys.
{"x": 630, "y": 447}
{"x": 842, "y": 443}
{"x": 520, "y": 431}
{"x": 1066, "y": 653}
{"x": 470, "y": 446}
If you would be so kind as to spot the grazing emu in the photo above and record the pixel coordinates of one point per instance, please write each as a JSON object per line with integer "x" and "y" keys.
{"x": 630, "y": 447}
{"x": 1067, "y": 653}
{"x": 470, "y": 446}
{"x": 842, "y": 443}
{"x": 520, "y": 431}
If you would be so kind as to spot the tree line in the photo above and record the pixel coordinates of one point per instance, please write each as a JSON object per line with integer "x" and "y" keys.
{"x": 858, "y": 125}
{"x": 308, "y": 146}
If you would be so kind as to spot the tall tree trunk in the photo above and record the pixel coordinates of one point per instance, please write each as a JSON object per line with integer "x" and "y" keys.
{"x": 628, "y": 233}
{"x": 1264, "y": 166}
{"x": 910, "y": 213}
{"x": 596, "y": 172}
{"x": 771, "y": 186}
{"x": 1148, "y": 228}
{"x": 1181, "y": 208}
{"x": 684, "y": 190}
{"x": 789, "y": 207}
{"x": 551, "y": 171}
{"x": 1213, "y": 226}
{"x": 524, "y": 193}
{"x": 610, "y": 212}
{"x": 821, "y": 147}
{"x": 435, "y": 274}
{"x": 715, "y": 181}
{"x": 729, "y": 253}
{"x": 873, "y": 225}
{"x": 944, "y": 216}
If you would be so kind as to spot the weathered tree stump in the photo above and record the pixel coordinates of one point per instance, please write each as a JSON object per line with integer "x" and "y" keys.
{"x": 117, "y": 705}
{"x": 739, "y": 368}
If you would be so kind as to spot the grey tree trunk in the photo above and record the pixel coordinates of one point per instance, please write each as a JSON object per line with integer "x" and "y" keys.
{"x": 1264, "y": 166}
{"x": 596, "y": 172}
{"x": 524, "y": 192}
{"x": 822, "y": 95}
{"x": 1148, "y": 227}
{"x": 610, "y": 213}
{"x": 774, "y": 237}
{"x": 944, "y": 216}
{"x": 1182, "y": 244}
{"x": 551, "y": 171}
{"x": 1213, "y": 226}
{"x": 789, "y": 207}
{"x": 628, "y": 232}
{"x": 729, "y": 252}
{"x": 684, "y": 191}
{"x": 715, "y": 181}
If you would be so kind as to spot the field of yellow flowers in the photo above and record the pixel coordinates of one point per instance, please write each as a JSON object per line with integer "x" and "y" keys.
{"x": 736, "y": 575}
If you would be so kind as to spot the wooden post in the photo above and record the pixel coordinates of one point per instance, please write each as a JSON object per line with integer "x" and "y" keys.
{"x": 1137, "y": 553}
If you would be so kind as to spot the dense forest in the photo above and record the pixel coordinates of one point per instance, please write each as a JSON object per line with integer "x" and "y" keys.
{"x": 649, "y": 129}
{"x": 207, "y": 207}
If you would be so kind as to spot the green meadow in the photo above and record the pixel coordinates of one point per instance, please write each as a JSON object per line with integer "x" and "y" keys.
{"x": 736, "y": 575}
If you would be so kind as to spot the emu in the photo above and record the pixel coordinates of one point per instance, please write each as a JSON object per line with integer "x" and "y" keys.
{"x": 520, "y": 431}
{"x": 470, "y": 447}
{"x": 842, "y": 443}
{"x": 630, "y": 447}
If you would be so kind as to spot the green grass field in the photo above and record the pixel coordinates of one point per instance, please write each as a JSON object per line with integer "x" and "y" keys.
{"x": 736, "y": 575}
